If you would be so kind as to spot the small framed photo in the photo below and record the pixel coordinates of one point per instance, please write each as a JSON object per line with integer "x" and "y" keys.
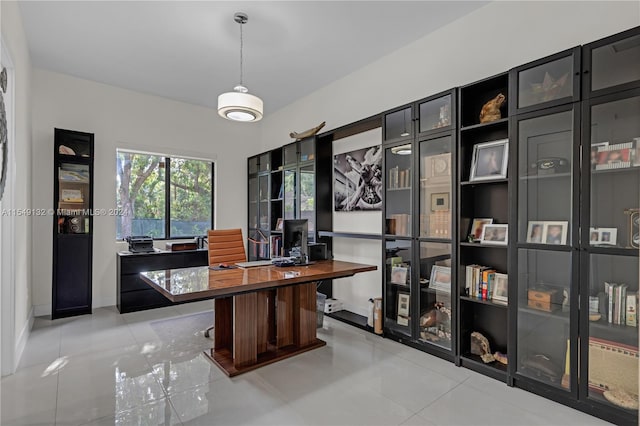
{"x": 403, "y": 308}
{"x": 399, "y": 275}
{"x": 501, "y": 288}
{"x": 495, "y": 234}
{"x": 440, "y": 201}
{"x": 555, "y": 232}
{"x": 603, "y": 236}
{"x": 440, "y": 278}
{"x": 616, "y": 156}
{"x": 477, "y": 226}
{"x": 594, "y": 152}
{"x": 279, "y": 224}
{"x": 535, "y": 231}
{"x": 490, "y": 160}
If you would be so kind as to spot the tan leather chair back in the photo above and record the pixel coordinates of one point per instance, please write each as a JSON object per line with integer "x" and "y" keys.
{"x": 226, "y": 246}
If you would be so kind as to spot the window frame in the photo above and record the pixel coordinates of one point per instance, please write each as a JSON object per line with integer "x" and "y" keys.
{"x": 167, "y": 191}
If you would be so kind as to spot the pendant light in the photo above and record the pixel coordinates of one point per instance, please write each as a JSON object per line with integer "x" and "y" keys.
{"x": 405, "y": 133}
{"x": 239, "y": 105}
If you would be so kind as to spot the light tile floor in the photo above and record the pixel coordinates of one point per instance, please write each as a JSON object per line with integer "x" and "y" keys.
{"x": 147, "y": 368}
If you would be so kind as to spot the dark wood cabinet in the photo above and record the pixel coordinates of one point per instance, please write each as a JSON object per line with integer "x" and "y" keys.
{"x": 72, "y": 223}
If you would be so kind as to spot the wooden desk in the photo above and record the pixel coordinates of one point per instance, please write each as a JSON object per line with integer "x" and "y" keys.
{"x": 262, "y": 314}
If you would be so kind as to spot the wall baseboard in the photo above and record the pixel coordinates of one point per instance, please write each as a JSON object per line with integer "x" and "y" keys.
{"x": 355, "y": 309}
{"x": 21, "y": 343}
{"x": 42, "y": 310}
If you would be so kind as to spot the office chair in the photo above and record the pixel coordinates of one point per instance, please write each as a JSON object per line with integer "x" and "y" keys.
{"x": 225, "y": 246}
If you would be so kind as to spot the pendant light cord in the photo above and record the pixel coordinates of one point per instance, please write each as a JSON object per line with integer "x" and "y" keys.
{"x": 241, "y": 50}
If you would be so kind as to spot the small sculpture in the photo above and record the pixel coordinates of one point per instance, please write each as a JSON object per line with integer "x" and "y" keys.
{"x": 491, "y": 110}
{"x": 307, "y": 133}
{"x": 501, "y": 358}
{"x": 480, "y": 346}
{"x": 622, "y": 398}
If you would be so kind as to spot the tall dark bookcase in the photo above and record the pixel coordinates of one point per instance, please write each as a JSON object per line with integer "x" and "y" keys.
{"x": 72, "y": 223}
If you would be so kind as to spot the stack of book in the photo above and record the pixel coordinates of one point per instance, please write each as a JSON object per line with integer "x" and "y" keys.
{"x": 276, "y": 246}
{"x": 399, "y": 178}
{"x": 620, "y": 305}
{"x": 479, "y": 281}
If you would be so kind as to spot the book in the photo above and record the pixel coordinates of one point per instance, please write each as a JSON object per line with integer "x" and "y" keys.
{"x": 631, "y": 318}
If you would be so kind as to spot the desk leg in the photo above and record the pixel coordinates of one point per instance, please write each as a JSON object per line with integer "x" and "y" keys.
{"x": 305, "y": 312}
{"x": 223, "y": 323}
{"x": 285, "y": 317}
{"x": 245, "y": 329}
{"x": 263, "y": 320}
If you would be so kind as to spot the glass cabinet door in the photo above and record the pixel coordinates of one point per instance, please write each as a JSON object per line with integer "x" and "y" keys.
{"x": 545, "y": 184}
{"x": 435, "y": 188}
{"x": 265, "y": 165}
{"x": 290, "y": 194}
{"x": 73, "y": 198}
{"x": 253, "y": 165}
{"x": 398, "y": 124}
{"x": 611, "y": 243}
{"x": 544, "y": 284}
{"x": 307, "y": 198}
{"x": 398, "y": 287}
{"x": 307, "y": 149}
{"x": 436, "y": 309}
{"x": 290, "y": 154}
{"x": 550, "y": 81}
{"x": 253, "y": 202}
{"x": 614, "y": 62}
{"x": 398, "y": 203}
{"x": 434, "y": 114}
{"x": 263, "y": 182}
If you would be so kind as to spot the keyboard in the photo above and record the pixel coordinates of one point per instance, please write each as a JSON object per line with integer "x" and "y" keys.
{"x": 254, "y": 263}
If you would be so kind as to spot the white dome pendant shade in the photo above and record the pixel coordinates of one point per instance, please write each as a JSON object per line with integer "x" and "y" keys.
{"x": 239, "y": 105}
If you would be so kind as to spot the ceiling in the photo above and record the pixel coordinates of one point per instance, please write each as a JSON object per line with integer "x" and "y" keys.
{"x": 189, "y": 51}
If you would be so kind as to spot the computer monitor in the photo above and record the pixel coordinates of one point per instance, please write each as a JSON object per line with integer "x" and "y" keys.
{"x": 294, "y": 238}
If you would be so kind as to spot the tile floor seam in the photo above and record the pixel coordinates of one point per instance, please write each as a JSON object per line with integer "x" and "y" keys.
{"x": 441, "y": 396}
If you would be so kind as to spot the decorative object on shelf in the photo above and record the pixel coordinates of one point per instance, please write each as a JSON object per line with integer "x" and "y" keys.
{"x": 631, "y": 316}
{"x": 299, "y": 136}
{"x": 65, "y": 150}
{"x": 440, "y": 278}
{"x": 500, "y": 291}
{"x": 616, "y": 156}
{"x": 545, "y": 297}
{"x": 565, "y": 300}
{"x": 634, "y": 227}
{"x": 594, "y": 153}
{"x": 495, "y": 234}
{"x": 549, "y": 166}
{"x": 279, "y": 224}
{"x": 603, "y": 236}
{"x": 480, "y": 346}
{"x": 435, "y": 324}
{"x": 429, "y": 318}
{"x": 550, "y": 88}
{"x": 239, "y": 105}
{"x": 403, "y": 309}
{"x": 491, "y": 110}
{"x": 437, "y": 166}
{"x": 501, "y": 358}
{"x": 612, "y": 366}
{"x": 399, "y": 275}
{"x": 477, "y": 226}
{"x": 4, "y": 139}
{"x": 440, "y": 201}
{"x": 490, "y": 160}
{"x": 71, "y": 196}
{"x": 594, "y": 316}
{"x": 444, "y": 118}
{"x": 622, "y": 398}
{"x": 358, "y": 180}
{"x": 542, "y": 365}
{"x": 534, "y": 231}
{"x": 555, "y": 232}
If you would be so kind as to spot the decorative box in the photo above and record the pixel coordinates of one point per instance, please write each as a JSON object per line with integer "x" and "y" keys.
{"x": 543, "y": 306}
{"x": 545, "y": 295}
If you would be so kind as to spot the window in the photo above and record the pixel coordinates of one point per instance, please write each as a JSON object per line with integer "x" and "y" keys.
{"x": 163, "y": 197}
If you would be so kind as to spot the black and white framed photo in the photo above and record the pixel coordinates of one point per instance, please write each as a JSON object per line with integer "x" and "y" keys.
{"x": 490, "y": 160}
{"x": 495, "y": 234}
{"x": 357, "y": 180}
{"x": 440, "y": 202}
{"x": 555, "y": 232}
{"x": 500, "y": 288}
{"x": 403, "y": 308}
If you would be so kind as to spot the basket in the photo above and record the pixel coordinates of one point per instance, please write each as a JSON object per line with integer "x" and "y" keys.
{"x": 320, "y": 301}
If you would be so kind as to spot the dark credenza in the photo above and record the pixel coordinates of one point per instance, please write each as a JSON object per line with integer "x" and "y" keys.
{"x": 133, "y": 293}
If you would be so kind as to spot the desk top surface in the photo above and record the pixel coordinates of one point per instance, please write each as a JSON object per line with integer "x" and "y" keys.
{"x": 186, "y": 284}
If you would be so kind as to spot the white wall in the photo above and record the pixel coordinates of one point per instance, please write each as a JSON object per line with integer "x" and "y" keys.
{"x": 488, "y": 41}
{"x": 354, "y": 292}
{"x": 14, "y": 38}
{"x": 122, "y": 118}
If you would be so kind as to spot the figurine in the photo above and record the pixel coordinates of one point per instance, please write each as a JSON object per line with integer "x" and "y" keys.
{"x": 491, "y": 110}
{"x": 501, "y": 358}
{"x": 480, "y": 346}
{"x": 307, "y": 133}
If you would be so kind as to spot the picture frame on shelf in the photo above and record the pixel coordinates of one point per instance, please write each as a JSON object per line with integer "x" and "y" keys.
{"x": 555, "y": 232}
{"x": 436, "y": 166}
{"x": 279, "y": 224}
{"x": 399, "y": 275}
{"x": 495, "y": 234}
{"x": 490, "y": 160}
{"x": 403, "y": 308}
{"x": 603, "y": 236}
{"x": 440, "y": 278}
{"x": 617, "y": 156}
{"x": 477, "y": 226}
{"x": 500, "y": 288}
{"x": 535, "y": 231}
{"x": 440, "y": 201}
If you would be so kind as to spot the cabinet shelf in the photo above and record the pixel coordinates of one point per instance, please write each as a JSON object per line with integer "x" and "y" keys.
{"x": 558, "y": 314}
{"x": 483, "y": 302}
{"x": 485, "y": 125}
{"x": 548, "y": 247}
{"x": 633, "y": 169}
{"x": 612, "y": 250}
{"x": 404, "y": 188}
{"x": 494, "y": 369}
{"x": 542, "y": 177}
{"x": 361, "y": 235}
{"x": 614, "y": 332}
{"x": 483, "y": 182}
{"x": 435, "y": 240}
{"x": 468, "y": 244}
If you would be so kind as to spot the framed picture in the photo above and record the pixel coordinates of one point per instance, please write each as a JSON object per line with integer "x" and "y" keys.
{"x": 440, "y": 201}
{"x": 440, "y": 278}
{"x": 495, "y": 234}
{"x": 594, "y": 152}
{"x": 555, "y": 232}
{"x": 357, "y": 180}
{"x": 490, "y": 160}
{"x": 500, "y": 288}
{"x": 71, "y": 195}
{"x": 279, "y": 224}
{"x": 535, "y": 231}
{"x": 616, "y": 156}
{"x": 403, "y": 308}
{"x": 603, "y": 236}
{"x": 477, "y": 226}
{"x": 437, "y": 166}
{"x": 399, "y": 275}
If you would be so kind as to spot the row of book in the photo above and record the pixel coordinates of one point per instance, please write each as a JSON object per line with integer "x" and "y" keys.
{"x": 276, "y": 245}
{"x": 621, "y": 306}
{"x": 479, "y": 281}
{"x": 399, "y": 178}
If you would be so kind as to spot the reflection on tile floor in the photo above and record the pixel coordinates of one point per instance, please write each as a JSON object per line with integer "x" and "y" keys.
{"x": 147, "y": 368}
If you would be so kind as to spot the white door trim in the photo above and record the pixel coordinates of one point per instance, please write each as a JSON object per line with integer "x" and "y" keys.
{"x": 7, "y": 230}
